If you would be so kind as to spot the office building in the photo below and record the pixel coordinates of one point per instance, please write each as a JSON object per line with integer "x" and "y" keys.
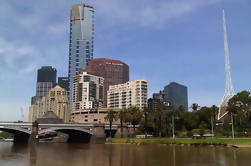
{"x": 88, "y": 91}
{"x": 159, "y": 100}
{"x": 81, "y": 40}
{"x": 133, "y": 93}
{"x": 56, "y": 101}
{"x": 177, "y": 95}
{"x": 46, "y": 79}
{"x": 63, "y": 82}
{"x": 173, "y": 96}
{"x": 113, "y": 71}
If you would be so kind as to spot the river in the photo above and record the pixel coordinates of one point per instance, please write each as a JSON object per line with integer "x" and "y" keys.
{"x": 61, "y": 154}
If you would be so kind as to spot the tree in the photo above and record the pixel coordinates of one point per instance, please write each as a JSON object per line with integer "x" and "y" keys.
{"x": 159, "y": 114}
{"x": 134, "y": 116}
{"x": 122, "y": 117}
{"x": 111, "y": 117}
{"x": 195, "y": 107}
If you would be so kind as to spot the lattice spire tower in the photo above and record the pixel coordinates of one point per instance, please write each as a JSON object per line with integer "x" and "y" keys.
{"x": 229, "y": 90}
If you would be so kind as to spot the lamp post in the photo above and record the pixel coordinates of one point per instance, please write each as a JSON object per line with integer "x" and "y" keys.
{"x": 173, "y": 126}
{"x": 232, "y": 121}
{"x": 145, "y": 113}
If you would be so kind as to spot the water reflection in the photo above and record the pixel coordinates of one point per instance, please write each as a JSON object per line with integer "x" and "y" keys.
{"x": 120, "y": 155}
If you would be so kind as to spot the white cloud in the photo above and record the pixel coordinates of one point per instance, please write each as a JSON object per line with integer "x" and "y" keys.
{"x": 18, "y": 57}
{"x": 147, "y": 13}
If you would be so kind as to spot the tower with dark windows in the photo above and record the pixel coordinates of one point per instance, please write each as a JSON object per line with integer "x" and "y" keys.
{"x": 81, "y": 40}
{"x": 46, "y": 79}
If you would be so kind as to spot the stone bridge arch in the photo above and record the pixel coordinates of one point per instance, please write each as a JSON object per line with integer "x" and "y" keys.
{"x": 21, "y": 135}
{"x": 75, "y": 134}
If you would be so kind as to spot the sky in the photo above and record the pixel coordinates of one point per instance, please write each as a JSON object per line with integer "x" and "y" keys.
{"x": 162, "y": 41}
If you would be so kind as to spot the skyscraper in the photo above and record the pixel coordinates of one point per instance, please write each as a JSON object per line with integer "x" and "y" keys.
{"x": 113, "y": 71}
{"x": 81, "y": 40}
{"x": 177, "y": 95}
{"x": 46, "y": 79}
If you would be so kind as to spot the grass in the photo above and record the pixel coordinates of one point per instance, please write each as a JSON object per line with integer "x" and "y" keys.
{"x": 219, "y": 141}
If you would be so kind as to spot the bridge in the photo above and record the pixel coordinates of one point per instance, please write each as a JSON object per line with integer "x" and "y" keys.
{"x": 77, "y": 132}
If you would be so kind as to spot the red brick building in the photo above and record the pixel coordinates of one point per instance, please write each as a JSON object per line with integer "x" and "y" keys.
{"x": 113, "y": 71}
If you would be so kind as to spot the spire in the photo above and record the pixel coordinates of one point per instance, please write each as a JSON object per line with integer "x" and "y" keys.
{"x": 229, "y": 90}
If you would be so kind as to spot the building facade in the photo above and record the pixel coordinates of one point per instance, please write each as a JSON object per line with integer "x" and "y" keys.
{"x": 63, "y": 82}
{"x": 159, "y": 100}
{"x": 46, "y": 79}
{"x": 81, "y": 40}
{"x": 113, "y": 71}
{"x": 177, "y": 95}
{"x": 56, "y": 101}
{"x": 133, "y": 93}
{"x": 93, "y": 116}
{"x": 88, "y": 91}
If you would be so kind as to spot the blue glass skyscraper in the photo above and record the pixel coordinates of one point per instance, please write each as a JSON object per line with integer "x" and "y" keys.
{"x": 81, "y": 41}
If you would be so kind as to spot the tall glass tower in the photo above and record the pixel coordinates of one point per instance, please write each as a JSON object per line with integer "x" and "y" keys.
{"x": 81, "y": 41}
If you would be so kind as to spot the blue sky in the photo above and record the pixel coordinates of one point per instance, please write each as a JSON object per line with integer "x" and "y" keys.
{"x": 161, "y": 41}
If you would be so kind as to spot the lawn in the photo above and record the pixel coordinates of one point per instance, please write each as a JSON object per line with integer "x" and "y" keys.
{"x": 222, "y": 141}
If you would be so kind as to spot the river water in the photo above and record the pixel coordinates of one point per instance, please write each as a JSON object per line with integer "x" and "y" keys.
{"x": 61, "y": 154}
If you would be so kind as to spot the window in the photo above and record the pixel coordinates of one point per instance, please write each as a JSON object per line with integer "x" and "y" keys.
{"x": 77, "y": 60}
{"x": 77, "y": 42}
{"x": 77, "y": 55}
{"x": 77, "y": 47}
{"x": 77, "y": 51}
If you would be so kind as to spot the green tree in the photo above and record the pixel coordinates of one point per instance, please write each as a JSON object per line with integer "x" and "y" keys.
{"x": 111, "y": 117}
{"x": 195, "y": 107}
{"x": 122, "y": 115}
{"x": 134, "y": 115}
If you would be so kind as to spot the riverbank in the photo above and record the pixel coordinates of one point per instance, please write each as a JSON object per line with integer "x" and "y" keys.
{"x": 238, "y": 142}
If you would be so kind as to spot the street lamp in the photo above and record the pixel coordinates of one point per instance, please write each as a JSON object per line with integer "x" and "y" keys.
{"x": 146, "y": 113}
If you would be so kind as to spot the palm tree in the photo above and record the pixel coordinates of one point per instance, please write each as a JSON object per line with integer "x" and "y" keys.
{"x": 122, "y": 117}
{"x": 111, "y": 117}
{"x": 195, "y": 107}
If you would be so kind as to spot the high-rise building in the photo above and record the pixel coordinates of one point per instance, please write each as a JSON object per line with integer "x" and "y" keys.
{"x": 173, "y": 96}
{"x": 56, "y": 101}
{"x": 133, "y": 93}
{"x": 177, "y": 95}
{"x": 81, "y": 40}
{"x": 113, "y": 71}
{"x": 159, "y": 100}
{"x": 64, "y": 83}
{"x": 88, "y": 91}
{"x": 46, "y": 79}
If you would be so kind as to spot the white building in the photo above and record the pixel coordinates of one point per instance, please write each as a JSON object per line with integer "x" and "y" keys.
{"x": 56, "y": 101}
{"x": 88, "y": 91}
{"x": 133, "y": 93}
